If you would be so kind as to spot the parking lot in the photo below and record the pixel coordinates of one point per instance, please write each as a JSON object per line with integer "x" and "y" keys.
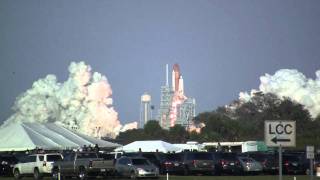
{"x": 210, "y": 178}
{"x": 192, "y": 165}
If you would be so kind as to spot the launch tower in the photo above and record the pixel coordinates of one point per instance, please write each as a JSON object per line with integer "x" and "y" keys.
{"x": 175, "y": 107}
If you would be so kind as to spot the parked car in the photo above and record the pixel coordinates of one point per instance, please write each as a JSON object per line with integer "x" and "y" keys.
{"x": 83, "y": 165}
{"x": 36, "y": 165}
{"x": 136, "y": 167}
{"x": 173, "y": 163}
{"x": 268, "y": 161}
{"x": 157, "y": 158}
{"x": 7, "y": 162}
{"x": 250, "y": 166}
{"x": 227, "y": 163}
{"x": 198, "y": 162}
{"x": 294, "y": 163}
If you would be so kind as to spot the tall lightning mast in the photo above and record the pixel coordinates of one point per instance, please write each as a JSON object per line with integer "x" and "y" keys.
{"x": 167, "y": 75}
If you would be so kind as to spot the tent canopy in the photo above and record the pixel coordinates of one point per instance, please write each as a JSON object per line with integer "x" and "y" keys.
{"x": 49, "y": 136}
{"x": 149, "y": 146}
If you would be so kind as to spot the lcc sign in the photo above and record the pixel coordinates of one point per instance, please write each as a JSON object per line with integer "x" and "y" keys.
{"x": 280, "y": 133}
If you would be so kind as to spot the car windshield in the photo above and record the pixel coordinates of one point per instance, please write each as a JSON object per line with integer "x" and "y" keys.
{"x": 259, "y": 158}
{"x": 131, "y": 154}
{"x": 140, "y": 162}
{"x": 107, "y": 156}
{"x": 290, "y": 158}
{"x": 202, "y": 156}
{"x": 173, "y": 157}
{"x": 150, "y": 156}
{"x": 54, "y": 157}
{"x": 87, "y": 155}
{"x": 229, "y": 156}
{"x": 244, "y": 159}
{"x": 262, "y": 157}
{"x": 9, "y": 159}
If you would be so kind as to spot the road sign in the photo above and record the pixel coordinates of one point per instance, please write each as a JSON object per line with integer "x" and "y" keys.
{"x": 310, "y": 152}
{"x": 280, "y": 133}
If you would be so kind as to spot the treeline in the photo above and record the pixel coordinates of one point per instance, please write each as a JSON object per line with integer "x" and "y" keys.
{"x": 153, "y": 131}
{"x": 240, "y": 121}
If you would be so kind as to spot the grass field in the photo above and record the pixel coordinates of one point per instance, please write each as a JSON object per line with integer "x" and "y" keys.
{"x": 237, "y": 178}
{"x": 211, "y": 178}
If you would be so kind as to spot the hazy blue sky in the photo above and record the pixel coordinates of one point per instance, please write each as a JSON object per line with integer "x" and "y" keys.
{"x": 223, "y": 47}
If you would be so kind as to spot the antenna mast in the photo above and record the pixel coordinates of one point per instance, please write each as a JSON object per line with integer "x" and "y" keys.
{"x": 167, "y": 75}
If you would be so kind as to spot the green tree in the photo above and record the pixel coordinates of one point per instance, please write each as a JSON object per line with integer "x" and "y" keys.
{"x": 177, "y": 134}
{"x": 131, "y": 136}
{"x": 153, "y": 131}
{"x": 241, "y": 121}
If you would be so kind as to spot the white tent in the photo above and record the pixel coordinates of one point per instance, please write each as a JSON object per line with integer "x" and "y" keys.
{"x": 50, "y": 136}
{"x": 149, "y": 146}
{"x": 191, "y": 146}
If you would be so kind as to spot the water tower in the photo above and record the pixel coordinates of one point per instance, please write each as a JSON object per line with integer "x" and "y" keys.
{"x": 145, "y": 109}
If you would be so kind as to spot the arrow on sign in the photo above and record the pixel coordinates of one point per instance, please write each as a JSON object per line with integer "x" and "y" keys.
{"x": 275, "y": 140}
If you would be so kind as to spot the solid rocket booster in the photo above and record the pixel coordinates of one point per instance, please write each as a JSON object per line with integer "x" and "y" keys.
{"x": 173, "y": 81}
{"x": 181, "y": 88}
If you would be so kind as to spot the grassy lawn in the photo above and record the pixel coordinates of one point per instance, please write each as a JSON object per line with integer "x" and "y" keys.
{"x": 237, "y": 178}
{"x": 212, "y": 178}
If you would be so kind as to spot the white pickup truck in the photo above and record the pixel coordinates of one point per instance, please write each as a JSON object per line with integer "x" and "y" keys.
{"x": 36, "y": 165}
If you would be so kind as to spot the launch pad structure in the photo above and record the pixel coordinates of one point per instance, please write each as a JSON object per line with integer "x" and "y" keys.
{"x": 175, "y": 107}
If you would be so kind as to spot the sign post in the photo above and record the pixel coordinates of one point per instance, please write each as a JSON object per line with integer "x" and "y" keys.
{"x": 279, "y": 133}
{"x": 280, "y": 162}
{"x": 310, "y": 155}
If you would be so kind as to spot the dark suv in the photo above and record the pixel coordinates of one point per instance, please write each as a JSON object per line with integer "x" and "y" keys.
{"x": 6, "y": 164}
{"x": 294, "y": 163}
{"x": 198, "y": 162}
{"x": 173, "y": 163}
{"x": 227, "y": 163}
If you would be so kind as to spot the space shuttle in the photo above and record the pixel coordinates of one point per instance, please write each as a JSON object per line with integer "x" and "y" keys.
{"x": 177, "y": 80}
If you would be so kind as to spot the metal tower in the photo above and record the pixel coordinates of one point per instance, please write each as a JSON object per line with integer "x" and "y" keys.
{"x": 145, "y": 109}
{"x": 184, "y": 111}
{"x": 165, "y": 105}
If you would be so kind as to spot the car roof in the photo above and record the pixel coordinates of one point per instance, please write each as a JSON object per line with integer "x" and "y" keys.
{"x": 49, "y": 154}
{"x": 135, "y": 157}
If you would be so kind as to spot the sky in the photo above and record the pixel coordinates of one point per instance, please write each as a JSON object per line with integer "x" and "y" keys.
{"x": 222, "y": 47}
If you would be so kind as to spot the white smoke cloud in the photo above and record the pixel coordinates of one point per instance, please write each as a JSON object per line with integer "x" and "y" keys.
{"x": 83, "y": 102}
{"x": 293, "y": 84}
{"x": 126, "y": 127}
{"x": 196, "y": 128}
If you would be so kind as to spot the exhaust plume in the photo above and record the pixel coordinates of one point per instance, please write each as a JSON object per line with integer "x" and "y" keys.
{"x": 82, "y": 103}
{"x": 293, "y": 84}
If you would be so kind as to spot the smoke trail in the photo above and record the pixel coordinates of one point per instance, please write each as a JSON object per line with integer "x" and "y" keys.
{"x": 83, "y": 102}
{"x": 293, "y": 84}
{"x": 177, "y": 99}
